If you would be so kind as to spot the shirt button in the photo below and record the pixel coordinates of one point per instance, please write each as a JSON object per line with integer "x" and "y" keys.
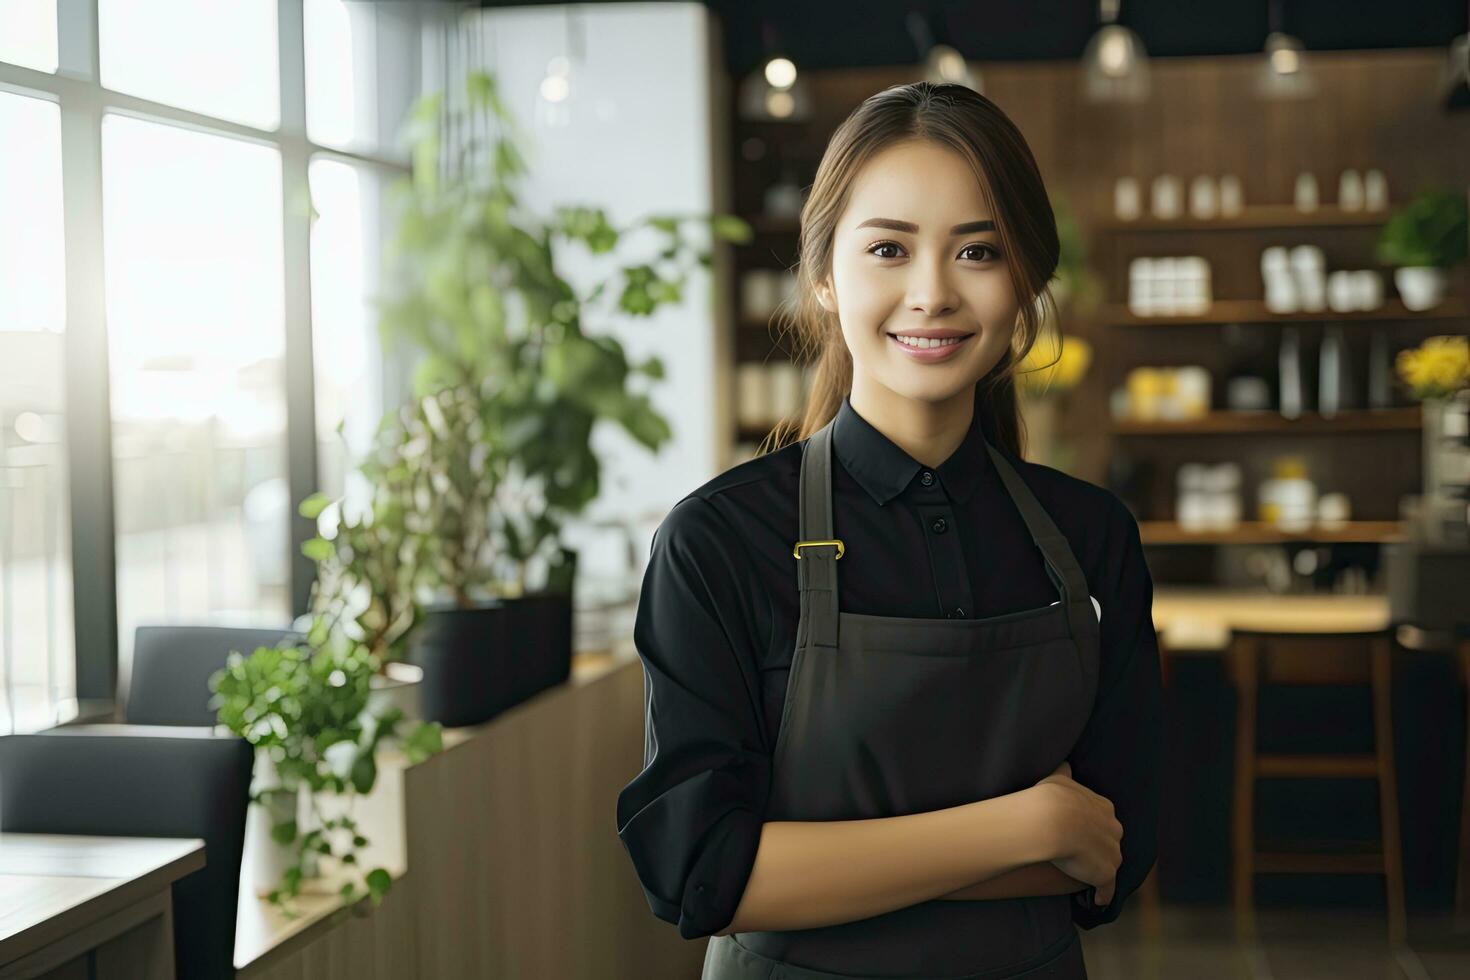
{"x": 927, "y": 479}
{"x": 700, "y": 889}
{"x": 958, "y": 613}
{"x": 939, "y": 525}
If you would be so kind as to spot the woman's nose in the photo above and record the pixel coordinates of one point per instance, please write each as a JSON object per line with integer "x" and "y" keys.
{"x": 930, "y": 290}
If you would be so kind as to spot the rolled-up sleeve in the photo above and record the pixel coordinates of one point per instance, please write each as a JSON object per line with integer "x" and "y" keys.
{"x": 691, "y": 819}
{"x": 1120, "y": 752}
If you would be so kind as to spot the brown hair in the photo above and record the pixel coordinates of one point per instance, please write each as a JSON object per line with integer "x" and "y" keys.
{"x": 962, "y": 120}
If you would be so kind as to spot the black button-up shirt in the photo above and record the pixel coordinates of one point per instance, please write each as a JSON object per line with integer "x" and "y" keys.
{"x": 716, "y": 629}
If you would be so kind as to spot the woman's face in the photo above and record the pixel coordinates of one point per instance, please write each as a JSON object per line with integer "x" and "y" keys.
{"x": 916, "y": 255}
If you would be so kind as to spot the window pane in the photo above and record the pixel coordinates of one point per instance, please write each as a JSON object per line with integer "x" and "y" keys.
{"x": 341, "y": 59}
{"x": 28, "y": 33}
{"x": 344, "y": 280}
{"x": 220, "y": 59}
{"x": 192, "y": 229}
{"x": 37, "y": 666}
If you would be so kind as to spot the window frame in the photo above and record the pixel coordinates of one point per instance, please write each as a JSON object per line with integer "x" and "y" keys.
{"x": 84, "y": 101}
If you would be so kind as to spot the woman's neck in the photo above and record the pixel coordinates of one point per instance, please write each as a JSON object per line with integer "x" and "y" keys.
{"x": 930, "y": 432}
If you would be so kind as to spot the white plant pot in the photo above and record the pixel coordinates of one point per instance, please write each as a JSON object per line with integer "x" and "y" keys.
{"x": 1421, "y": 287}
{"x": 268, "y": 860}
{"x": 398, "y": 686}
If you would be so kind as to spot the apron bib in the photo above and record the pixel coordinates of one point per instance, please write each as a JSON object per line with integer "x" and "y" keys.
{"x": 888, "y": 715}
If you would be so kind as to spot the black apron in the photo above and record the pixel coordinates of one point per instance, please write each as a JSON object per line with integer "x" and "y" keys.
{"x": 889, "y": 715}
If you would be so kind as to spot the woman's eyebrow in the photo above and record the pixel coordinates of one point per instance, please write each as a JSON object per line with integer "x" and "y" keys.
{"x": 908, "y": 226}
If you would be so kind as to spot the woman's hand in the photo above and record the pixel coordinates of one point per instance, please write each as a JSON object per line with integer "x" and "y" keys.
{"x": 1087, "y": 837}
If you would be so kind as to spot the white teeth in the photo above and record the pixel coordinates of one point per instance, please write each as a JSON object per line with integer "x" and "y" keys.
{"x": 925, "y": 342}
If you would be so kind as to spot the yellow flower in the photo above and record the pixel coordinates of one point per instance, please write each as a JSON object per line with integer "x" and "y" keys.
{"x": 1436, "y": 368}
{"x": 1053, "y": 364}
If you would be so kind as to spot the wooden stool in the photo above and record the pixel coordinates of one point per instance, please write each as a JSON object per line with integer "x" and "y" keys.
{"x": 1258, "y": 658}
{"x": 1462, "y": 876}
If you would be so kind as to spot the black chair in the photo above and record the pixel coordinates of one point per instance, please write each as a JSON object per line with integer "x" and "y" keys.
{"x": 142, "y": 781}
{"x": 172, "y": 665}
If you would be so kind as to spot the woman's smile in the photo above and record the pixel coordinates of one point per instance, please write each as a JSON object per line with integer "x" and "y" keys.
{"x": 929, "y": 346}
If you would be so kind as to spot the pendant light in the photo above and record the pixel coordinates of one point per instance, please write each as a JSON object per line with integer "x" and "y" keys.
{"x": 943, "y": 63}
{"x": 1456, "y": 83}
{"x": 775, "y": 91}
{"x": 1284, "y": 72}
{"x": 1114, "y": 64}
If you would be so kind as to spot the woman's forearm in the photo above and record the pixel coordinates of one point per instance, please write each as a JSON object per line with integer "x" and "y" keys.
{"x": 818, "y": 873}
{"x": 1043, "y": 878}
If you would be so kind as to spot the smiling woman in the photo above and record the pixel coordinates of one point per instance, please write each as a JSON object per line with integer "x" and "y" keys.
{"x": 914, "y": 753}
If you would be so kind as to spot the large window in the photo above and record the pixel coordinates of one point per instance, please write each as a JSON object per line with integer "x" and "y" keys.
{"x": 187, "y": 266}
{"x": 36, "y": 658}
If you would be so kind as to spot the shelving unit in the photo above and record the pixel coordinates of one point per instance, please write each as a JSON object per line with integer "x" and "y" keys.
{"x": 1387, "y": 440}
{"x": 1255, "y": 311}
{"x": 1271, "y": 423}
{"x": 1257, "y": 217}
{"x": 1257, "y": 532}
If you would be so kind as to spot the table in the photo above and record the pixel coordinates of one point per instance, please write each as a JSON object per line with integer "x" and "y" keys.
{"x": 78, "y": 907}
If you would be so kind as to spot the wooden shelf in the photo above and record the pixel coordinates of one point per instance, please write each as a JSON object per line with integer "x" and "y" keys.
{"x": 1257, "y": 217}
{"x": 1258, "y": 423}
{"x": 1258, "y": 532}
{"x": 1254, "y": 311}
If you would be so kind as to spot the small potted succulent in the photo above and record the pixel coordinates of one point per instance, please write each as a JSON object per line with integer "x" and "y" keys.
{"x": 1425, "y": 240}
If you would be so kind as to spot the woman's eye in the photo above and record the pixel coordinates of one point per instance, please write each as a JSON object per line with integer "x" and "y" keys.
{"x": 980, "y": 247}
{"x": 882, "y": 245}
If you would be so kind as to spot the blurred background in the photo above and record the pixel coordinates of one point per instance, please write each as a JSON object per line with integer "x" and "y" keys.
{"x": 342, "y": 320}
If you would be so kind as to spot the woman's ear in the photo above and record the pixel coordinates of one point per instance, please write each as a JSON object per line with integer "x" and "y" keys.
{"x": 825, "y": 297}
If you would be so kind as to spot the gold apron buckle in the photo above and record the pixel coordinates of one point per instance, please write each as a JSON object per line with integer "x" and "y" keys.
{"x": 812, "y": 544}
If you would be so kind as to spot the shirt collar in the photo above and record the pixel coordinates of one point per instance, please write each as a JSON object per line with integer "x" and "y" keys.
{"x": 884, "y": 470}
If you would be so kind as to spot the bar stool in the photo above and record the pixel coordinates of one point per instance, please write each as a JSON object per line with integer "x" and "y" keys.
{"x": 1462, "y": 875}
{"x": 1259, "y": 658}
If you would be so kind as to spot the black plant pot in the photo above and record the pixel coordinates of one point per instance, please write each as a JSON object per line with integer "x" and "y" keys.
{"x": 469, "y": 662}
{"x": 541, "y": 635}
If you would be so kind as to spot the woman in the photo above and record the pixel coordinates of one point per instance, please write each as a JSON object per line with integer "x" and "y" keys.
{"x": 902, "y": 687}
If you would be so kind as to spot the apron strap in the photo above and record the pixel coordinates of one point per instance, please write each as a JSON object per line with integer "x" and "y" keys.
{"x": 816, "y": 571}
{"x": 1061, "y": 564}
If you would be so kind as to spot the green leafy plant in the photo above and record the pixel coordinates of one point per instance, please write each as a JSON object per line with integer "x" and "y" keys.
{"x": 1430, "y": 230}
{"x": 305, "y": 709}
{"x": 475, "y": 291}
{"x": 1075, "y": 285}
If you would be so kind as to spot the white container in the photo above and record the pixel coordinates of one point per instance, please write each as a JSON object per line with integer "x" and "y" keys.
{"x": 1192, "y": 286}
{"x": 1140, "y": 287}
{"x": 1367, "y": 289}
{"x": 1375, "y": 190}
{"x": 1127, "y": 199}
{"x": 758, "y": 293}
{"x": 785, "y": 386}
{"x": 1192, "y": 389}
{"x": 399, "y": 686}
{"x": 269, "y": 860}
{"x": 1420, "y": 287}
{"x": 1203, "y": 199}
{"x": 1232, "y": 198}
{"x": 1342, "y": 291}
{"x": 1333, "y": 510}
{"x": 1167, "y": 197}
{"x": 1350, "y": 191}
{"x": 1305, "y": 195}
{"x": 752, "y": 396}
{"x": 1308, "y": 268}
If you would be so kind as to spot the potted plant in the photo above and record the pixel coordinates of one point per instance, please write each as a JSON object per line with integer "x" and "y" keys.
{"x": 1052, "y": 368}
{"x": 508, "y": 386}
{"x": 1436, "y": 373}
{"x": 1424, "y": 240}
{"x": 306, "y": 709}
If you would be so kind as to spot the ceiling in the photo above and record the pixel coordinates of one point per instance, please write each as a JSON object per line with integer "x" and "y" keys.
{"x": 868, "y": 33}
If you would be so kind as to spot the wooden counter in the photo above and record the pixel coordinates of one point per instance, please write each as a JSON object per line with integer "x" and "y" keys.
{"x": 505, "y": 854}
{"x": 1200, "y": 620}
